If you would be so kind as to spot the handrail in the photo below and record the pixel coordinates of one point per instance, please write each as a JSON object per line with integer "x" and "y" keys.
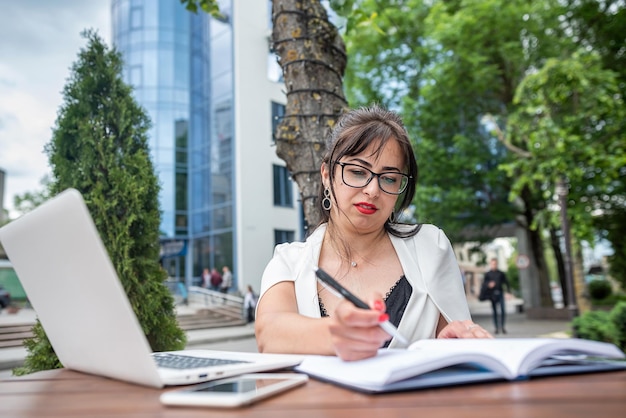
{"x": 202, "y": 298}
{"x": 208, "y": 297}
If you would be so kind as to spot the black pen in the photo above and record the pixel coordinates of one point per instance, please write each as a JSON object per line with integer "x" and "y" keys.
{"x": 342, "y": 292}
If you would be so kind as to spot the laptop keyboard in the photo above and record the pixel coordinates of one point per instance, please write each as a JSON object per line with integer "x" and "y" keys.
{"x": 179, "y": 361}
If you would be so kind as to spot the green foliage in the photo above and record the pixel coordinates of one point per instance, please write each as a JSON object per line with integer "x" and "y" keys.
{"x": 209, "y": 6}
{"x": 409, "y": 68}
{"x": 599, "y": 289}
{"x": 570, "y": 120}
{"x": 617, "y": 316}
{"x": 40, "y": 356}
{"x": 355, "y": 17}
{"x": 600, "y": 25}
{"x": 100, "y": 147}
{"x": 503, "y": 98}
{"x": 603, "y": 326}
{"x": 595, "y": 325}
{"x": 613, "y": 226}
{"x": 613, "y": 299}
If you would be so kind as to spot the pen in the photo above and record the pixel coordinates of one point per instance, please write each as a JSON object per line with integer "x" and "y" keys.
{"x": 342, "y": 292}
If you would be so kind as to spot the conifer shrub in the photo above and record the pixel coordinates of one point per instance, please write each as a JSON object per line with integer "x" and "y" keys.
{"x": 99, "y": 146}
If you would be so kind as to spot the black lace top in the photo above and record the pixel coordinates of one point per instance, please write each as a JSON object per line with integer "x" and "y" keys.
{"x": 396, "y": 300}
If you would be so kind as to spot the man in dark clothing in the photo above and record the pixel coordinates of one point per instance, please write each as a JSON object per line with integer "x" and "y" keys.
{"x": 495, "y": 281}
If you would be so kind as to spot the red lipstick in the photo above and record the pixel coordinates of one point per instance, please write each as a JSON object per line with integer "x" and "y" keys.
{"x": 366, "y": 208}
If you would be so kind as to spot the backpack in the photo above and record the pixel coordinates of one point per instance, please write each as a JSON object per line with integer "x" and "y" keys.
{"x": 485, "y": 292}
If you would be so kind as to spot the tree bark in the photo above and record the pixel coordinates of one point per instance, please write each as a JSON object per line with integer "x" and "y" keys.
{"x": 312, "y": 56}
{"x": 536, "y": 246}
{"x": 583, "y": 303}
{"x": 560, "y": 263}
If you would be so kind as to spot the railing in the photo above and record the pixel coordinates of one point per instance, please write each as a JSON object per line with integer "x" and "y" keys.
{"x": 209, "y": 298}
{"x": 201, "y": 298}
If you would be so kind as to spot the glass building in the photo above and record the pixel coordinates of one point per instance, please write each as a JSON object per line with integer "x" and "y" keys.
{"x": 211, "y": 90}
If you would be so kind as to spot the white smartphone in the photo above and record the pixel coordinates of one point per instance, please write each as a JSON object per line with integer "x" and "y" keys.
{"x": 234, "y": 391}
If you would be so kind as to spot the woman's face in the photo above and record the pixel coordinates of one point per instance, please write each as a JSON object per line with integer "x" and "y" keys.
{"x": 365, "y": 208}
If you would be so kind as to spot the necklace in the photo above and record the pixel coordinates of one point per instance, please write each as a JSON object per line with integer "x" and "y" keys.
{"x": 352, "y": 263}
{"x": 346, "y": 257}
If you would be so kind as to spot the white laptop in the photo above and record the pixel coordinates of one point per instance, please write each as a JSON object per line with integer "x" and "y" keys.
{"x": 71, "y": 283}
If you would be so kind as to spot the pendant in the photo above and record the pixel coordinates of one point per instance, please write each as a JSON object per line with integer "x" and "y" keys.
{"x": 353, "y": 264}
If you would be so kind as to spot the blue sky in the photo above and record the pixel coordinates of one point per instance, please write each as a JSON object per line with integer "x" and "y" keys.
{"x": 39, "y": 41}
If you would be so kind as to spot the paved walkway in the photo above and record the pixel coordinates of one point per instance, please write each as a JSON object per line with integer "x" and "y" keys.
{"x": 241, "y": 338}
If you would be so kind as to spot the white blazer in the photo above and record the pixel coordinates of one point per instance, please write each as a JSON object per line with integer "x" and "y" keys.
{"x": 428, "y": 262}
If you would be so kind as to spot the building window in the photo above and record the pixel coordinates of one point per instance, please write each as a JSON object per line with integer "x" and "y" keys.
{"x": 181, "y": 137}
{"x": 283, "y": 189}
{"x": 278, "y": 112}
{"x": 136, "y": 79}
{"x": 136, "y": 18}
{"x": 281, "y": 236}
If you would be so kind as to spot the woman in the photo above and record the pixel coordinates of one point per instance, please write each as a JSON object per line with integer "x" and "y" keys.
{"x": 407, "y": 273}
{"x": 249, "y": 303}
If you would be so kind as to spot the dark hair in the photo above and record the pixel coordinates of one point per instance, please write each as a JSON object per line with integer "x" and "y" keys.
{"x": 354, "y": 132}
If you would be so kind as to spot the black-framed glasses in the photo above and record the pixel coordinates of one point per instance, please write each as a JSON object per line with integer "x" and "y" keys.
{"x": 357, "y": 176}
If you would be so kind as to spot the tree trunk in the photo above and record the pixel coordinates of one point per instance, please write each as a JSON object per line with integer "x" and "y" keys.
{"x": 560, "y": 263}
{"x": 582, "y": 301}
{"x": 544, "y": 279}
{"x": 536, "y": 247}
{"x": 312, "y": 56}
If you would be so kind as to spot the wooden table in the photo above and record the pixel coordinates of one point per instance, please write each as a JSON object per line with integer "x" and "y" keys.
{"x": 64, "y": 393}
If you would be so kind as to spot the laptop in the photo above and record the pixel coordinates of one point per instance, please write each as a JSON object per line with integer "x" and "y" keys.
{"x": 73, "y": 287}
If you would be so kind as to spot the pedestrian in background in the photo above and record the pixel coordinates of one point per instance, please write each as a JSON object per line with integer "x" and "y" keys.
{"x": 206, "y": 278}
{"x": 216, "y": 279}
{"x": 182, "y": 288}
{"x": 249, "y": 304}
{"x": 494, "y": 281}
{"x": 227, "y": 279}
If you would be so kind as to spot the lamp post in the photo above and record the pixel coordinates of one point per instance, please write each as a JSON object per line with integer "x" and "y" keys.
{"x": 562, "y": 192}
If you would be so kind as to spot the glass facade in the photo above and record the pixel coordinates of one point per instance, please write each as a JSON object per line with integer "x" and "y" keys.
{"x": 181, "y": 68}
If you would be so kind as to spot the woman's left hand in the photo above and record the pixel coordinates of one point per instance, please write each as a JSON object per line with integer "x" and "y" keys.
{"x": 463, "y": 329}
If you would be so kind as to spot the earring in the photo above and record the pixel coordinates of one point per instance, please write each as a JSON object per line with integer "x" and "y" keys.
{"x": 392, "y": 218}
{"x": 326, "y": 202}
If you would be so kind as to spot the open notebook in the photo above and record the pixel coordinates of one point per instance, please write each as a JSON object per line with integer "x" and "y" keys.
{"x": 71, "y": 283}
{"x": 447, "y": 362}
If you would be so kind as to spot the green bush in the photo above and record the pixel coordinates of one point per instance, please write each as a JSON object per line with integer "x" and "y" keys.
{"x": 603, "y": 326}
{"x": 617, "y": 317}
{"x": 595, "y": 325}
{"x": 611, "y": 300}
{"x": 599, "y": 289}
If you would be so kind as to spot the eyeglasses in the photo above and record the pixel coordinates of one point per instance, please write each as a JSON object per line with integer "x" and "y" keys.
{"x": 354, "y": 175}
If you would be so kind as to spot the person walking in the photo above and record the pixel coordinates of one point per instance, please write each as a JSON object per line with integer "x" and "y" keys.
{"x": 249, "y": 304}
{"x": 494, "y": 281}
{"x": 227, "y": 279}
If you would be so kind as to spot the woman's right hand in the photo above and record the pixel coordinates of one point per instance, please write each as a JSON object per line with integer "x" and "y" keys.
{"x": 355, "y": 333}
